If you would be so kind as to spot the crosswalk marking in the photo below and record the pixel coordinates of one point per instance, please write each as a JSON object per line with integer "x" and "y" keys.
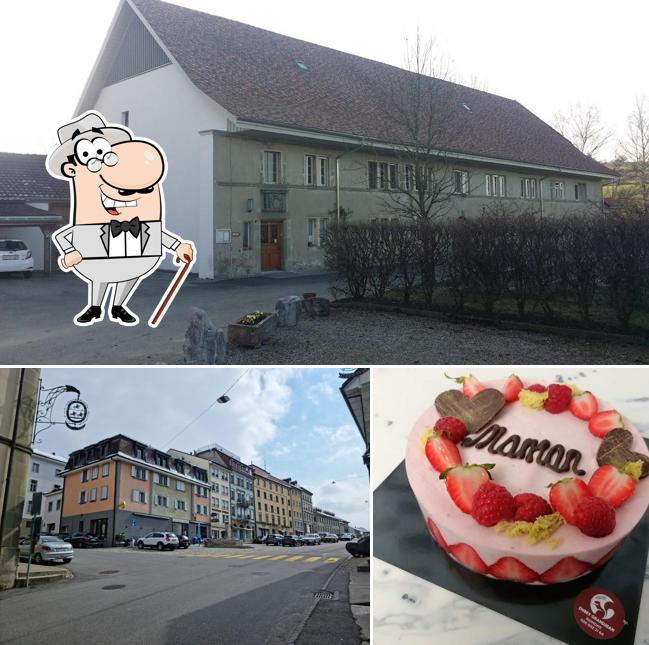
{"x": 303, "y": 559}
{"x": 314, "y": 558}
{"x": 261, "y": 557}
{"x": 294, "y": 557}
{"x": 278, "y": 557}
{"x": 331, "y": 560}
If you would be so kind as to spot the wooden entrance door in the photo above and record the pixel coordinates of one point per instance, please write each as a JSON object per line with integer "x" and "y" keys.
{"x": 271, "y": 246}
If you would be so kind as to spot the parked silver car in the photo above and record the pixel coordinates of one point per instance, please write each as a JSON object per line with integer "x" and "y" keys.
{"x": 48, "y": 548}
{"x": 311, "y": 538}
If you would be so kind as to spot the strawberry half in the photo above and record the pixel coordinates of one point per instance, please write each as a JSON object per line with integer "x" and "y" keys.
{"x": 583, "y": 406}
{"x": 565, "y": 570}
{"x": 512, "y": 569}
{"x": 566, "y": 495}
{"x": 602, "y": 423}
{"x": 462, "y": 482}
{"x": 470, "y": 384}
{"x": 615, "y": 485}
{"x": 441, "y": 452}
{"x": 512, "y": 386}
{"x": 437, "y": 536}
{"x": 468, "y": 556}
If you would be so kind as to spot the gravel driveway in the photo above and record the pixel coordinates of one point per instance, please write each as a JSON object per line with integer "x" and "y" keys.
{"x": 353, "y": 337}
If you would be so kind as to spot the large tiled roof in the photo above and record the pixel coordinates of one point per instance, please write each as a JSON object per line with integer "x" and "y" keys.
{"x": 17, "y": 209}
{"x": 23, "y": 177}
{"x": 253, "y": 74}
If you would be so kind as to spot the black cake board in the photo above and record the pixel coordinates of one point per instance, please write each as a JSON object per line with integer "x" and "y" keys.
{"x": 400, "y": 537}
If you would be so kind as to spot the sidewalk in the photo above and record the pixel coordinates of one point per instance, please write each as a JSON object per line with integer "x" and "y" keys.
{"x": 40, "y": 574}
{"x": 359, "y": 595}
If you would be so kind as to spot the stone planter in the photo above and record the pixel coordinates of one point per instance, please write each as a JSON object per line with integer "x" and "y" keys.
{"x": 252, "y": 335}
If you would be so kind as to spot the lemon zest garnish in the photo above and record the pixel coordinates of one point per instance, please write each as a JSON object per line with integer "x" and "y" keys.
{"x": 574, "y": 387}
{"x": 538, "y": 531}
{"x": 633, "y": 468}
{"x": 532, "y": 400}
{"x": 425, "y": 437}
{"x": 553, "y": 543}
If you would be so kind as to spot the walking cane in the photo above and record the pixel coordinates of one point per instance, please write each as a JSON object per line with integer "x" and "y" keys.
{"x": 170, "y": 293}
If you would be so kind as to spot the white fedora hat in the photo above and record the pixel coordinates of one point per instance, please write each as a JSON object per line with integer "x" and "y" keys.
{"x": 88, "y": 126}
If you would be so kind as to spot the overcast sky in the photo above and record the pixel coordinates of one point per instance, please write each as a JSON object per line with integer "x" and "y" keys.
{"x": 546, "y": 55}
{"x": 294, "y": 421}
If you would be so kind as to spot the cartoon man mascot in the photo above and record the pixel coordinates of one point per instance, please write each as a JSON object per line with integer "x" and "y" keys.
{"x": 116, "y": 235}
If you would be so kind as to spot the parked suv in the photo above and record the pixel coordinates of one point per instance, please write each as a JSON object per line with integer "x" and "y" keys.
{"x": 310, "y": 538}
{"x": 15, "y": 257}
{"x": 84, "y": 540}
{"x": 274, "y": 538}
{"x": 158, "y": 540}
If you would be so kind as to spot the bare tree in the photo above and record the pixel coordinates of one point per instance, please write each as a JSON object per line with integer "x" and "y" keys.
{"x": 583, "y": 127}
{"x": 419, "y": 107}
{"x": 636, "y": 150}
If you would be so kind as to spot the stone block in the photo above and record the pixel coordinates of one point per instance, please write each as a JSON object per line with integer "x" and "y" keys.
{"x": 288, "y": 311}
{"x": 204, "y": 343}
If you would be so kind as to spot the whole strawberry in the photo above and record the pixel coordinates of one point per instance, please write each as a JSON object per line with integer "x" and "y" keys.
{"x": 530, "y": 506}
{"x": 595, "y": 517}
{"x": 492, "y": 503}
{"x": 470, "y": 384}
{"x": 462, "y": 483}
{"x": 453, "y": 427}
{"x": 559, "y": 397}
{"x": 511, "y": 388}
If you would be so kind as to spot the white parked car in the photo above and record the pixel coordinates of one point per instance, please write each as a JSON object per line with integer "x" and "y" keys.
{"x": 158, "y": 540}
{"x": 48, "y": 548}
{"x": 15, "y": 257}
{"x": 311, "y": 538}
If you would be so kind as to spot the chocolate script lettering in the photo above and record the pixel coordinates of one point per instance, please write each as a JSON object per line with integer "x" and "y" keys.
{"x": 554, "y": 457}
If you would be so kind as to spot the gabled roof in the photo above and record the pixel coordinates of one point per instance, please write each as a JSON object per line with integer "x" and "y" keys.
{"x": 253, "y": 73}
{"x": 23, "y": 177}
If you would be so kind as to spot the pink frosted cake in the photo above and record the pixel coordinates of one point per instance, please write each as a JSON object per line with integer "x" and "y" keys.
{"x": 535, "y": 483}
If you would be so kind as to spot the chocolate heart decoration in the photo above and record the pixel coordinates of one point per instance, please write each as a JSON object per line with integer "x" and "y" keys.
{"x": 616, "y": 451}
{"x": 476, "y": 411}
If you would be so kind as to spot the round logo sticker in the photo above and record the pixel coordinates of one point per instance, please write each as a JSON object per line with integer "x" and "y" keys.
{"x": 599, "y": 613}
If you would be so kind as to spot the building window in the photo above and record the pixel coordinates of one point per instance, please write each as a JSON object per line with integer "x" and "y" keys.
{"x": 460, "y": 182}
{"x": 104, "y": 492}
{"x": 205, "y": 511}
{"x": 95, "y": 472}
{"x": 271, "y": 168}
{"x": 124, "y": 118}
{"x": 58, "y": 504}
{"x": 580, "y": 192}
{"x": 82, "y": 497}
{"x": 317, "y": 229}
{"x": 528, "y": 188}
{"x": 180, "y": 485}
{"x": 181, "y": 505}
{"x": 32, "y": 485}
{"x": 138, "y": 473}
{"x": 246, "y": 244}
{"x": 84, "y": 476}
{"x": 93, "y": 494}
{"x": 410, "y": 178}
{"x": 49, "y": 507}
{"x": 105, "y": 469}
{"x": 309, "y": 170}
{"x": 36, "y": 468}
{"x": 323, "y": 171}
{"x": 558, "y": 190}
{"x": 161, "y": 500}
{"x": 495, "y": 185}
{"x": 162, "y": 480}
{"x": 139, "y": 496}
{"x": 57, "y": 472}
{"x": 377, "y": 173}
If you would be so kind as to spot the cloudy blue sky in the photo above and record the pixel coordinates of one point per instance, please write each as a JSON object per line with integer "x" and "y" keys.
{"x": 294, "y": 421}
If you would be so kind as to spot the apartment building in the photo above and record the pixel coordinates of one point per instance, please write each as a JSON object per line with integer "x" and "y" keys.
{"x": 242, "y": 508}
{"x": 273, "y": 503}
{"x": 306, "y": 497}
{"x": 51, "y": 509}
{"x": 295, "y": 504}
{"x": 122, "y": 486}
{"x": 327, "y": 522}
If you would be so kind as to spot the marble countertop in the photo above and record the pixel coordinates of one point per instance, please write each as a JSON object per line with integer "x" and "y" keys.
{"x": 407, "y": 609}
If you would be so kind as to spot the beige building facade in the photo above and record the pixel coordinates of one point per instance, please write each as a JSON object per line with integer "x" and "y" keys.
{"x": 272, "y": 504}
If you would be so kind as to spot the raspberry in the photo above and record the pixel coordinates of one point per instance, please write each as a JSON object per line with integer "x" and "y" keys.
{"x": 453, "y": 427}
{"x": 530, "y": 506}
{"x": 595, "y": 517}
{"x": 492, "y": 503}
{"x": 559, "y": 397}
{"x": 537, "y": 388}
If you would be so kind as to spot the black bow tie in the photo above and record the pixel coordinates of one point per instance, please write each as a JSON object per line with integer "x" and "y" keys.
{"x": 122, "y": 227}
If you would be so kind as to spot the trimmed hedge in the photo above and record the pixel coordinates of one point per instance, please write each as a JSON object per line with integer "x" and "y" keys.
{"x": 547, "y": 263}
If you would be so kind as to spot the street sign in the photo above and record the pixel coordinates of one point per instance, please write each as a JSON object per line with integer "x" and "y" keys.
{"x": 133, "y": 523}
{"x": 76, "y": 413}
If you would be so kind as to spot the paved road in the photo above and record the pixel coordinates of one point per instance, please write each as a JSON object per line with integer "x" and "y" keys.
{"x": 36, "y": 316}
{"x": 253, "y": 596}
